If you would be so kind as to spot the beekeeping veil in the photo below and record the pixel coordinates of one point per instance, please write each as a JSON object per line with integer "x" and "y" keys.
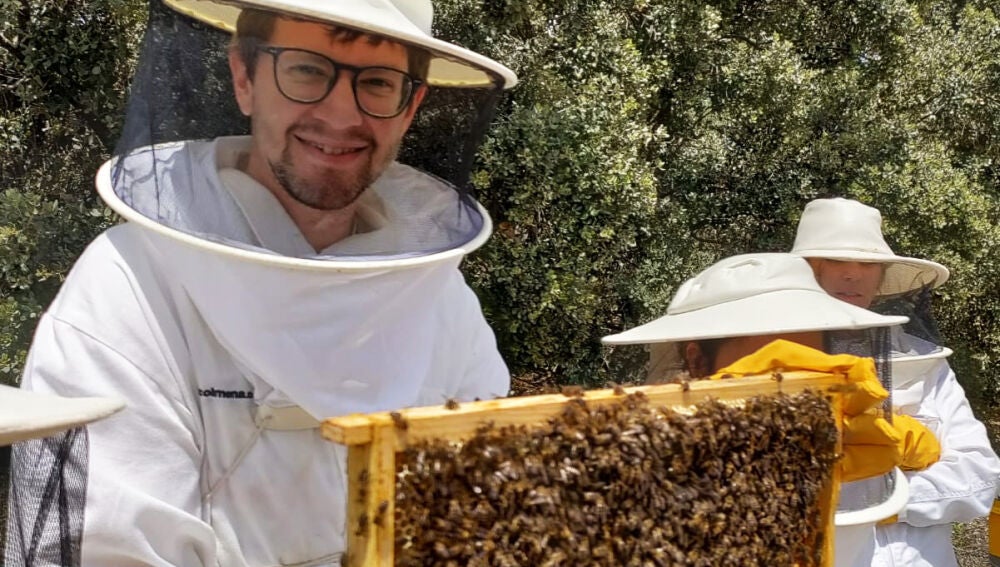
{"x": 183, "y": 91}
{"x": 849, "y": 231}
{"x": 290, "y": 314}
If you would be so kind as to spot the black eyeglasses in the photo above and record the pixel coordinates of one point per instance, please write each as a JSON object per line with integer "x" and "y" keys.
{"x": 308, "y": 77}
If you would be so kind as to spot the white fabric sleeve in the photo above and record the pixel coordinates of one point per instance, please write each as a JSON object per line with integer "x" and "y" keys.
{"x": 108, "y": 333}
{"x": 484, "y": 375}
{"x": 143, "y": 498}
{"x": 961, "y": 486}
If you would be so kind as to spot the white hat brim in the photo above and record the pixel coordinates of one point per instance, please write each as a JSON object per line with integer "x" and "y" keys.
{"x": 784, "y": 311}
{"x": 908, "y": 368}
{"x": 907, "y": 359}
{"x": 452, "y": 66}
{"x": 902, "y": 274}
{"x": 30, "y": 415}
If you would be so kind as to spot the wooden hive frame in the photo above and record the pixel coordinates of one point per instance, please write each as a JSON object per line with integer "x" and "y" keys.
{"x": 373, "y": 440}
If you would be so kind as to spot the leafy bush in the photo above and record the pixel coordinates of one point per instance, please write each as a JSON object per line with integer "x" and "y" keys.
{"x": 63, "y": 71}
{"x": 649, "y": 138}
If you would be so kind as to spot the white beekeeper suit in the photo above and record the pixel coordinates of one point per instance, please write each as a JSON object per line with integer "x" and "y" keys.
{"x": 962, "y": 484}
{"x": 959, "y": 487}
{"x": 229, "y": 337}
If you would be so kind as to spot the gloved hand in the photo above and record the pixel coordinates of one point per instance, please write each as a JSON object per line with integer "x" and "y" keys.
{"x": 919, "y": 448}
{"x": 871, "y": 445}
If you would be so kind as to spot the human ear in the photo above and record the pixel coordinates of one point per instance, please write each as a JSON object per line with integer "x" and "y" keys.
{"x": 411, "y": 109}
{"x": 242, "y": 84}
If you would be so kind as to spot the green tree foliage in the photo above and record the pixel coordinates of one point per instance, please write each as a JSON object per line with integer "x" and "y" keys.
{"x": 569, "y": 174}
{"x": 63, "y": 72}
{"x": 647, "y": 138}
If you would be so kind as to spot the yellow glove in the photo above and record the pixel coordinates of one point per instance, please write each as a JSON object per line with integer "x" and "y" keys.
{"x": 918, "y": 447}
{"x": 870, "y": 446}
{"x": 870, "y": 443}
{"x": 889, "y": 521}
{"x": 787, "y": 356}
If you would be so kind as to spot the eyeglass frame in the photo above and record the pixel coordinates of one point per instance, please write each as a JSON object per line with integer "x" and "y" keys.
{"x": 276, "y": 51}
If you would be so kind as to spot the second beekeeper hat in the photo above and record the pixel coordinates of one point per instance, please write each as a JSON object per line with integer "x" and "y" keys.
{"x": 752, "y": 294}
{"x": 846, "y": 230}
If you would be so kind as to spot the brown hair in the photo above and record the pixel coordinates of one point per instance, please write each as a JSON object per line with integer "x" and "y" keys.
{"x": 254, "y": 27}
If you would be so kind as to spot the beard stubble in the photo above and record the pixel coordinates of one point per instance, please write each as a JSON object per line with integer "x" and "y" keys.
{"x": 330, "y": 190}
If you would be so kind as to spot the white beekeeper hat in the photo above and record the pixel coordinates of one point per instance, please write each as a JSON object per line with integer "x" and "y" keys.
{"x": 29, "y": 415}
{"x": 752, "y": 294}
{"x": 846, "y": 230}
{"x": 405, "y": 21}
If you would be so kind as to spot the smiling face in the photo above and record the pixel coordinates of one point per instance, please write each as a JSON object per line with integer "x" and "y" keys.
{"x": 856, "y": 283}
{"x": 321, "y": 155}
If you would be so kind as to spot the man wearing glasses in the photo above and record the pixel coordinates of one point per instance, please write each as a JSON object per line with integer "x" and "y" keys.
{"x": 329, "y": 108}
{"x": 263, "y": 281}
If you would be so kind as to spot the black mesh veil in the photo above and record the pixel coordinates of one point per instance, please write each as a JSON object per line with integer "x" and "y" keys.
{"x": 182, "y": 92}
{"x": 874, "y": 343}
{"x": 447, "y": 132}
{"x": 48, "y": 481}
{"x": 181, "y": 89}
{"x": 916, "y": 305}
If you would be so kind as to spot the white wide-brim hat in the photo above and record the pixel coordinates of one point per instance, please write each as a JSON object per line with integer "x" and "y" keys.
{"x": 846, "y": 230}
{"x": 405, "y": 21}
{"x": 752, "y": 294}
{"x": 30, "y": 415}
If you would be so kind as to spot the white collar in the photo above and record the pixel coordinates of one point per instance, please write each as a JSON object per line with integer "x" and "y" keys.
{"x": 268, "y": 220}
{"x": 274, "y": 228}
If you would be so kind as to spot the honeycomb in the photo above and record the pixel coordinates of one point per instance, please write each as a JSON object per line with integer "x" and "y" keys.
{"x": 625, "y": 484}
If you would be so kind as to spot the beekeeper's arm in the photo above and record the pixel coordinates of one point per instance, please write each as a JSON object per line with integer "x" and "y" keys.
{"x": 961, "y": 485}
{"x": 141, "y": 496}
{"x": 473, "y": 350}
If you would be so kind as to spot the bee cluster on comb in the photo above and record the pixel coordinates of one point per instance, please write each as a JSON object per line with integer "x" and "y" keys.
{"x": 625, "y": 484}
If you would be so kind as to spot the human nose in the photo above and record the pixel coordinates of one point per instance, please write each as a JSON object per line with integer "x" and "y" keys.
{"x": 339, "y": 108}
{"x": 851, "y": 271}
